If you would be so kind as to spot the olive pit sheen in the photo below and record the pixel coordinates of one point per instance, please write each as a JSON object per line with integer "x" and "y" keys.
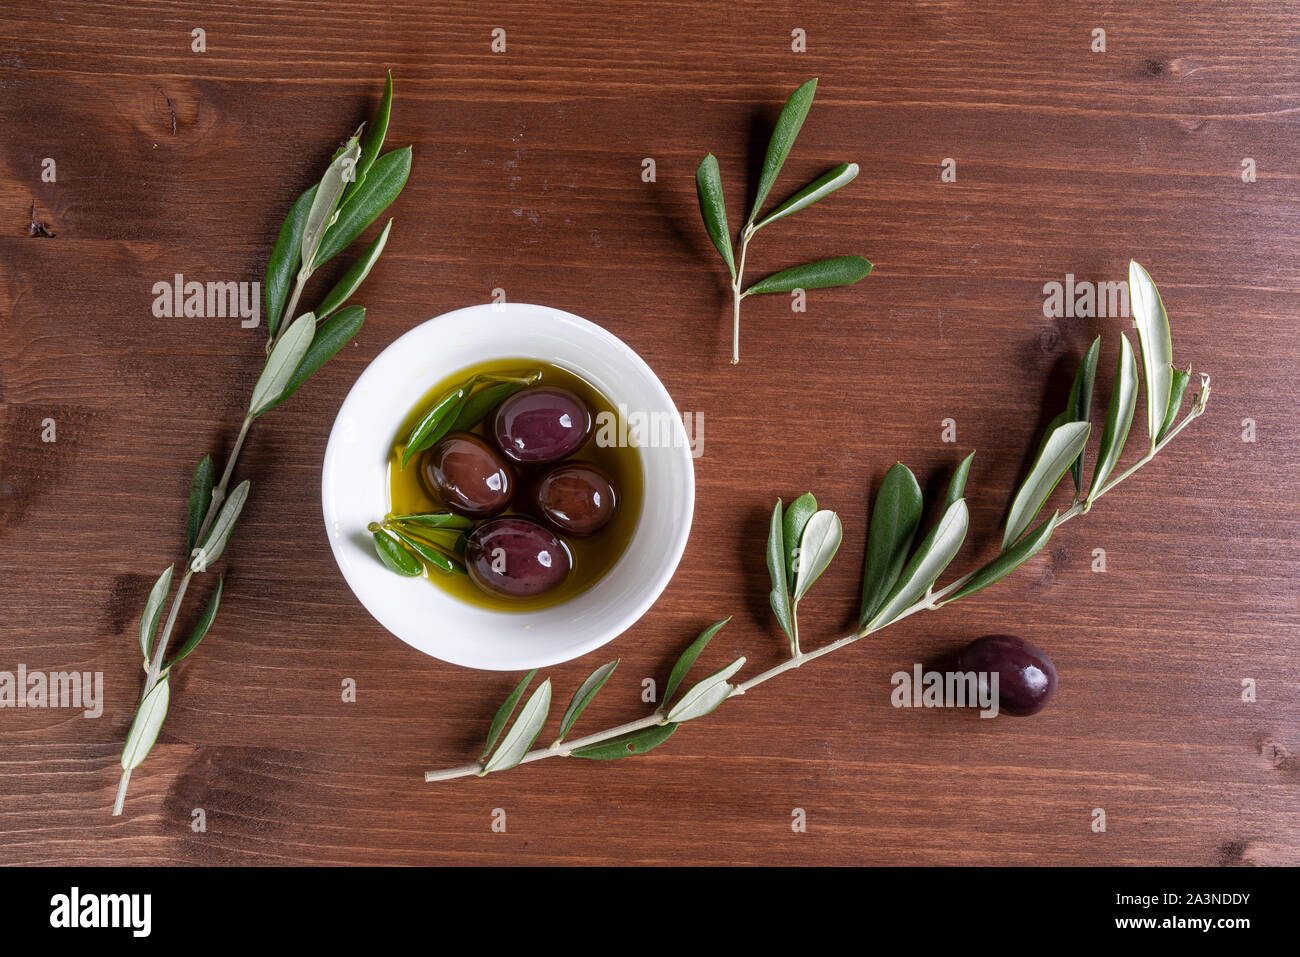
{"x": 1026, "y": 676}
{"x": 515, "y": 557}
{"x": 574, "y": 498}
{"x": 541, "y": 425}
{"x": 469, "y": 475}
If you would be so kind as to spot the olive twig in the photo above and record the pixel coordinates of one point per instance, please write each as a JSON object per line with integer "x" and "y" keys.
{"x": 811, "y": 536}
{"x": 931, "y": 602}
{"x": 324, "y": 221}
{"x": 840, "y": 271}
{"x": 736, "y": 294}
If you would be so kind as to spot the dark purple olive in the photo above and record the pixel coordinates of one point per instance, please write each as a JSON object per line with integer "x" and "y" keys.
{"x": 1026, "y": 676}
{"x": 468, "y": 474}
{"x": 515, "y": 557}
{"x": 536, "y": 426}
{"x": 576, "y": 498}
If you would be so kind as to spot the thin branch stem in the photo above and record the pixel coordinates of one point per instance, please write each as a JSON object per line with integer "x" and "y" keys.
{"x": 560, "y": 749}
{"x": 736, "y": 295}
{"x": 164, "y": 639}
{"x": 219, "y": 492}
{"x": 1195, "y": 411}
{"x": 154, "y": 667}
{"x": 121, "y": 793}
{"x": 930, "y": 602}
{"x": 287, "y": 316}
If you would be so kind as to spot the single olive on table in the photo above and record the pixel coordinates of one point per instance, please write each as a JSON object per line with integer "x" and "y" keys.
{"x": 540, "y": 425}
{"x": 515, "y": 557}
{"x": 1026, "y": 676}
{"x": 469, "y": 475}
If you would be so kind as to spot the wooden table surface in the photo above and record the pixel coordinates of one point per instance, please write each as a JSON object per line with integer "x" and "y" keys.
{"x": 527, "y": 177}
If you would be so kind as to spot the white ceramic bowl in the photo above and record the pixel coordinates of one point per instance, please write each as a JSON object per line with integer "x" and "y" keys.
{"x": 354, "y": 489}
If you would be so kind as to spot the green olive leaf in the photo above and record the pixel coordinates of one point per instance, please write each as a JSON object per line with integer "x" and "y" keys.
{"x": 787, "y": 128}
{"x": 219, "y": 533}
{"x": 1007, "y": 562}
{"x": 448, "y": 411}
{"x": 373, "y": 140}
{"x": 1119, "y": 416}
{"x": 435, "y": 424}
{"x": 448, "y": 520}
{"x": 1157, "y": 348}
{"x": 286, "y": 256}
{"x": 282, "y": 363}
{"x": 514, "y": 746}
{"x": 1177, "y": 389}
{"x": 820, "y": 541}
{"x": 382, "y": 185}
{"x": 329, "y": 191}
{"x": 394, "y": 554}
{"x": 627, "y": 745}
{"x": 818, "y": 189}
{"x": 481, "y": 402}
{"x": 584, "y": 695}
{"x": 1063, "y": 445}
{"x": 1079, "y": 408}
{"x": 705, "y": 696}
{"x": 894, "y": 521}
{"x": 354, "y": 277}
{"x": 205, "y": 477}
{"x": 144, "y": 728}
{"x": 957, "y": 486}
{"x": 329, "y": 339}
{"x": 777, "y": 569}
{"x": 840, "y": 271}
{"x": 448, "y": 540}
{"x": 200, "y": 629}
{"x": 1061, "y": 418}
{"x": 932, "y": 556}
{"x": 713, "y": 208}
{"x": 687, "y": 658}
{"x": 796, "y": 517}
{"x": 431, "y": 553}
{"x": 153, "y": 607}
{"x": 505, "y": 711}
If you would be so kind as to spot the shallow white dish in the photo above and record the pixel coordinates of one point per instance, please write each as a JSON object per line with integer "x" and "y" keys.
{"x": 354, "y": 489}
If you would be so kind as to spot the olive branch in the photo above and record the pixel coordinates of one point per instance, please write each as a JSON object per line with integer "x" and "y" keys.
{"x": 839, "y": 271}
{"x": 898, "y": 580}
{"x": 357, "y": 187}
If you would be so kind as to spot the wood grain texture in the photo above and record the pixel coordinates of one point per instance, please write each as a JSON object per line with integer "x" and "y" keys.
{"x": 527, "y": 177}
